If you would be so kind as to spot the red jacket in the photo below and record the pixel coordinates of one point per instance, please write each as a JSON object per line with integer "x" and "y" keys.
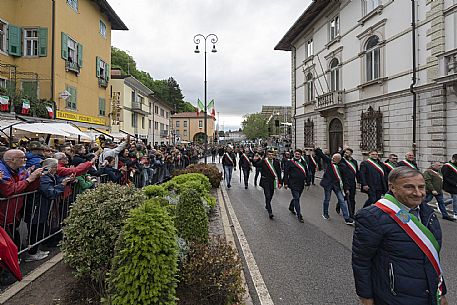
{"x": 79, "y": 170}
{"x": 13, "y": 183}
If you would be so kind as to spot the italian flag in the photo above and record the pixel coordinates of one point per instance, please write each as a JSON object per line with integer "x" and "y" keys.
{"x": 50, "y": 112}
{"x": 212, "y": 109}
{"x": 25, "y": 106}
{"x": 4, "y": 103}
{"x": 200, "y": 107}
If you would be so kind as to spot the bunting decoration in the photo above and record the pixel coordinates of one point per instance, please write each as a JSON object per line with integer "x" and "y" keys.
{"x": 25, "y": 107}
{"x": 50, "y": 112}
{"x": 4, "y": 103}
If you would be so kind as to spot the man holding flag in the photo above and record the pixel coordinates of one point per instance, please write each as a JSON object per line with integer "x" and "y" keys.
{"x": 270, "y": 178}
{"x": 396, "y": 246}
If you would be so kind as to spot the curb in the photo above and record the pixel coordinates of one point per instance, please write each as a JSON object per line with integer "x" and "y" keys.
{"x": 28, "y": 279}
{"x": 231, "y": 240}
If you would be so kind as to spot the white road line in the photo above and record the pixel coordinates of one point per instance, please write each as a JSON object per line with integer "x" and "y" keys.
{"x": 257, "y": 279}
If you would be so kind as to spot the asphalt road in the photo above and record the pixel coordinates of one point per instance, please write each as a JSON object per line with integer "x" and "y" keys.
{"x": 310, "y": 263}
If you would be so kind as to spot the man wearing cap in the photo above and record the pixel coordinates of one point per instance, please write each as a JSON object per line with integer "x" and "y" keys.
{"x": 113, "y": 150}
{"x": 229, "y": 164}
{"x": 37, "y": 152}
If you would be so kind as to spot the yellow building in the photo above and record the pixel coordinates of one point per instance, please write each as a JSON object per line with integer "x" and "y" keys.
{"x": 131, "y": 114}
{"x": 189, "y": 127}
{"x": 59, "y": 51}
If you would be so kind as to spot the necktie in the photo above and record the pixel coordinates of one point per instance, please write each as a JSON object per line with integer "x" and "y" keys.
{"x": 415, "y": 212}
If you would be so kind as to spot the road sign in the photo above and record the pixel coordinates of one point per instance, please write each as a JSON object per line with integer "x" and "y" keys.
{"x": 65, "y": 94}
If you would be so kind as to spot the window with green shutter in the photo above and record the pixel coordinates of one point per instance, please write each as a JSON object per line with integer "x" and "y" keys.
{"x": 14, "y": 40}
{"x": 71, "y": 100}
{"x": 43, "y": 42}
{"x": 101, "y": 106}
{"x": 64, "y": 47}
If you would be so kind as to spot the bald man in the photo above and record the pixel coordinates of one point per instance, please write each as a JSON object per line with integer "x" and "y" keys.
{"x": 409, "y": 161}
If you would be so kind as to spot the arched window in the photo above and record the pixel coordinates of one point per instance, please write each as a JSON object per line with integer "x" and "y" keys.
{"x": 334, "y": 75}
{"x": 309, "y": 87}
{"x": 373, "y": 64}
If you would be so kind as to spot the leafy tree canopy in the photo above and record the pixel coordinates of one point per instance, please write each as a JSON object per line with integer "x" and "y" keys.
{"x": 167, "y": 90}
{"x": 255, "y": 126}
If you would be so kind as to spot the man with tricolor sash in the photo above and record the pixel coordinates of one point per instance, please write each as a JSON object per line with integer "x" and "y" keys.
{"x": 353, "y": 176}
{"x": 449, "y": 171}
{"x": 296, "y": 176}
{"x": 229, "y": 164}
{"x": 245, "y": 167}
{"x": 334, "y": 181}
{"x": 391, "y": 163}
{"x": 270, "y": 178}
{"x": 434, "y": 188}
{"x": 396, "y": 246}
{"x": 409, "y": 161}
{"x": 373, "y": 178}
{"x": 312, "y": 166}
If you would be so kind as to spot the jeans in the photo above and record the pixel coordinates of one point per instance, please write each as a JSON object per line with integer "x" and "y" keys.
{"x": 339, "y": 196}
{"x": 441, "y": 204}
{"x": 228, "y": 169}
{"x": 268, "y": 192}
{"x": 295, "y": 202}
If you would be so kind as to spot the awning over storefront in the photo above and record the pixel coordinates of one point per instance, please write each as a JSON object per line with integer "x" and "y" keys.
{"x": 70, "y": 129}
{"x": 40, "y": 128}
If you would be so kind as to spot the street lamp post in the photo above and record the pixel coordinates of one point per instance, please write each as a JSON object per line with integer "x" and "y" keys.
{"x": 197, "y": 39}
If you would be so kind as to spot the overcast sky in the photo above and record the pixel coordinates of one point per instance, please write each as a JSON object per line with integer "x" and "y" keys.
{"x": 243, "y": 75}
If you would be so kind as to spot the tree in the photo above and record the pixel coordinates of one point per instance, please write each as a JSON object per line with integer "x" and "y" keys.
{"x": 255, "y": 126}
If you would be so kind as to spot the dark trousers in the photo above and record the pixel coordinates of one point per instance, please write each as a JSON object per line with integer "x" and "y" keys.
{"x": 373, "y": 197}
{"x": 268, "y": 191}
{"x": 213, "y": 158}
{"x": 246, "y": 172}
{"x": 257, "y": 173}
{"x": 37, "y": 232}
{"x": 350, "y": 198}
{"x": 295, "y": 202}
{"x": 312, "y": 175}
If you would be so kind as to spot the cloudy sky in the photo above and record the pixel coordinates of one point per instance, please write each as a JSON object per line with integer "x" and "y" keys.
{"x": 243, "y": 75}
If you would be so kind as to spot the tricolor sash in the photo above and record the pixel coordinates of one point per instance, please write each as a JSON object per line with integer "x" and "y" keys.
{"x": 376, "y": 166}
{"x": 419, "y": 233}
{"x": 410, "y": 164}
{"x": 438, "y": 174}
{"x": 300, "y": 166}
{"x": 336, "y": 170}
{"x": 452, "y": 166}
{"x": 351, "y": 166}
{"x": 230, "y": 158}
{"x": 312, "y": 160}
{"x": 247, "y": 159}
{"x": 390, "y": 165}
{"x": 273, "y": 172}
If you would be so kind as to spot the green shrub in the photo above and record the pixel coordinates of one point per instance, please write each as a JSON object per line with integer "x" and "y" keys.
{"x": 191, "y": 218}
{"x": 93, "y": 227}
{"x": 152, "y": 191}
{"x": 211, "y": 275}
{"x": 145, "y": 265}
{"x": 195, "y": 185}
{"x": 194, "y": 177}
{"x": 210, "y": 171}
{"x": 210, "y": 200}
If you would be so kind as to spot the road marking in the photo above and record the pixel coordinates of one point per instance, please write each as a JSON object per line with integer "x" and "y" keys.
{"x": 257, "y": 279}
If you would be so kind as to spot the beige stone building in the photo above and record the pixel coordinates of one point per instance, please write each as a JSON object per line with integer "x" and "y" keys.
{"x": 159, "y": 122}
{"x": 189, "y": 127}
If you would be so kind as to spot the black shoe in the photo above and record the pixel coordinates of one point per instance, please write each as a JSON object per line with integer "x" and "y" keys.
{"x": 255, "y": 184}
{"x": 245, "y": 187}
{"x": 338, "y": 210}
{"x": 229, "y": 186}
{"x": 349, "y": 222}
{"x": 300, "y": 219}
{"x": 326, "y": 216}
{"x": 271, "y": 215}
{"x": 291, "y": 209}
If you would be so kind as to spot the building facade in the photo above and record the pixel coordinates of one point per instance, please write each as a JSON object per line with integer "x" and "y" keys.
{"x": 159, "y": 122}
{"x": 131, "y": 106}
{"x": 59, "y": 53}
{"x": 189, "y": 127}
{"x": 279, "y": 121}
{"x": 363, "y": 76}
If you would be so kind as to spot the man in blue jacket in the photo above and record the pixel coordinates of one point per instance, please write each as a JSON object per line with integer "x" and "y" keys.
{"x": 396, "y": 244}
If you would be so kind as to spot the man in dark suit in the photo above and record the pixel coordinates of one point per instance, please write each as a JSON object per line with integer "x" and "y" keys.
{"x": 296, "y": 176}
{"x": 229, "y": 164}
{"x": 312, "y": 166}
{"x": 373, "y": 178}
{"x": 270, "y": 178}
{"x": 335, "y": 181}
{"x": 245, "y": 167}
{"x": 353, "y": 176}
{"x": 410, "y": 161}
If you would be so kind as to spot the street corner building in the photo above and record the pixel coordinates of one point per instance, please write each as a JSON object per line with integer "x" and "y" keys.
{"x": 57, "y": 54}
{"x": 375, "y": 74}
{"x": 189, "y": 127}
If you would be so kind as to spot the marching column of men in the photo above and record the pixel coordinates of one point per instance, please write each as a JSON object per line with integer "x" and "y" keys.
{"x": 342, "y": 173}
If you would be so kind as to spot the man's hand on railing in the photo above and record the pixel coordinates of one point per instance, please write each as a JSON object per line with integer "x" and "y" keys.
{"x": 35, "y": 175}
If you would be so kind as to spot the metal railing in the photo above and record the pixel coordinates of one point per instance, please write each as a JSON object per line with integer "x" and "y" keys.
{"x": 329, "y": 100}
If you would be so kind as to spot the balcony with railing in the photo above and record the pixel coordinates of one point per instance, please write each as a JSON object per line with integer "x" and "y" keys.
{"x": 447, "y": 72}
{"x": 72, "y": 66}
{"x": 164, "y": 133}
{"x": 140, "y": 108}
{"x": 330, "y": 100}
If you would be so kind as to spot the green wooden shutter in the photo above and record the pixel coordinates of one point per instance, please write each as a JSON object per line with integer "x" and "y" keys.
{"x": 80, "y": 55}
{"x": 14, "y": 40}
{"x": 64, "y": 46}
{"x": 43, "y": 42}
{"x": 107, "y": 72}
{"x": 98, "y": 67}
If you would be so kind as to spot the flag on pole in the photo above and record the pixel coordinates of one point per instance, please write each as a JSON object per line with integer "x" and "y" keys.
{"x": 4, "y": 103}
{"x": 200, "y": 107}
{"x": 50, "y": 112}
{"x": 25, "y": 107}
{"x": 212, "y": 109}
